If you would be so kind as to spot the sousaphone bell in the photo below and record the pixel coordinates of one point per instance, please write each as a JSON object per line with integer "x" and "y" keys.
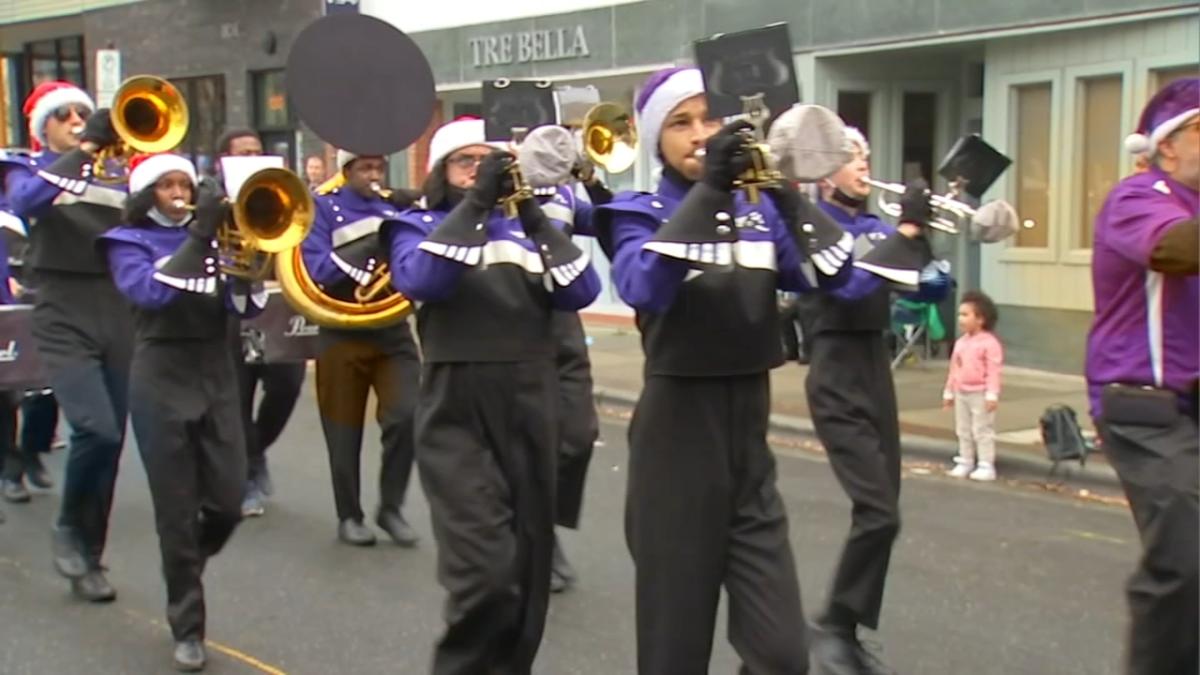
{"x": 363, "y": 86}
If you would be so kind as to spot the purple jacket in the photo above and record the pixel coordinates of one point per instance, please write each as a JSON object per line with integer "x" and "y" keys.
{"x": 1144, "y": 331}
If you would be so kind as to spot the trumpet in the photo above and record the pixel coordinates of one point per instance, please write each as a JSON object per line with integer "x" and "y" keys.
{"x": 998, "y": 216}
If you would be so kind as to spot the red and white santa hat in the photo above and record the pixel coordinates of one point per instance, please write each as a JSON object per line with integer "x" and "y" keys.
{"x": 461, "y": 132}
{"x": 1172, "y": 107}
{"x": 145, "y": 170}
{"x": 44, "y": 99}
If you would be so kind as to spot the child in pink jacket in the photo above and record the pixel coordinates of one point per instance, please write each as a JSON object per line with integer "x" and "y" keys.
{"x": 973, "y": 387}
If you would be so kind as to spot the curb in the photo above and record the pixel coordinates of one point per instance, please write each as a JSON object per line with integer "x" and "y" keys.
{"x": 1014, "y": 464}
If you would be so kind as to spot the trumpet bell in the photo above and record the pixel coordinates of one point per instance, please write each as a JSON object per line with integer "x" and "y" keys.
{"x": 149, "y": 114}
{"x": 610, "y": 137}
{"x": 273, "y": 210}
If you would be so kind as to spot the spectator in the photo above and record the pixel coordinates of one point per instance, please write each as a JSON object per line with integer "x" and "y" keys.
{"x": 973, "y": 387}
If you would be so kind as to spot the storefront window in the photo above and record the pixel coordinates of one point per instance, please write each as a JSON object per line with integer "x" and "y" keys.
{"x": 270, "y": 101}
{"x": 55, "y": 59}
{"x": 1032, "y": 163}
{"x": 205, "y": 98}
{"x": 1099, "y": 115}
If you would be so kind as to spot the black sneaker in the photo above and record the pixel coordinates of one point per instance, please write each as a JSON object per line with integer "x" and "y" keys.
{"x": 37, "y": 474}
{"x": 353, "y": 532}
{"x": 94, "y": 587}
{"x": 839, "y": 652}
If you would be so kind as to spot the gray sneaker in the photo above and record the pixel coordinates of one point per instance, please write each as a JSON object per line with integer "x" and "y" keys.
{"x": 253, "y": 504}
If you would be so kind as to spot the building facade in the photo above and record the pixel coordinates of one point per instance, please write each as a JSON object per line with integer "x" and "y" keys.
{"x": 1055, "y": 86}
{"x": 227, "y": 58}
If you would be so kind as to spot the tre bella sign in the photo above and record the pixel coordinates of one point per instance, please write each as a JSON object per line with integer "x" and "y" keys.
{"x": 552, "y": 44}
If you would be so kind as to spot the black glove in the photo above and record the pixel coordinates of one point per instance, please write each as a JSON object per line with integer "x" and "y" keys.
{"x": 598, "y": 193}
{"x": 533, "y": 219}
{"x": 99, "y": 129}
{"x": 915, "y": 205}
{"x": 492, "y": 179}
{"x": 402, "y": 199}
{"x": 211, "y": 210}
{"x": 726, "y": 156}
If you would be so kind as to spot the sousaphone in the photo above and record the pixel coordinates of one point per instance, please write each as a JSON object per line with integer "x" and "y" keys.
{"x": 364, "y": 86}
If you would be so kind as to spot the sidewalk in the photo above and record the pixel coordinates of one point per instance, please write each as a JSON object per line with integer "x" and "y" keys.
{"x": 928, "y": 431}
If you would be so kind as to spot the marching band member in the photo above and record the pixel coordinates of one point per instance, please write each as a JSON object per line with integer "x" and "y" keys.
{"x": 12, "y": 460}
{"x": 578, "y": 422}
{"x": 486, "y": 419}
{"x": 186, "y": 419}
{"x": 281, "y": 382}
{"x": 1142, "y": 371}
{"x": 853, "y": 404}
{"x": 341, "y": 252}
{"x": 701, "y": 267}
{"x": 82, "y": 323}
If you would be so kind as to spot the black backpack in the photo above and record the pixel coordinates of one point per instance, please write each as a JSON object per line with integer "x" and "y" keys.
{"x": 1062, "y": 436}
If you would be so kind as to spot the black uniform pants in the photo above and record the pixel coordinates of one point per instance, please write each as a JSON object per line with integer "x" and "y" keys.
{"x": 83, "y": 326}
{"x": 281, "y": 385}
{"x": 1159, "y": 471}
{"x": 39, "y": 420}
{"x": 351, "y": 364}
{"x": 703, "y": 512}
{"x": 579, "y": 425}
{"x": 12, "y": 456}
{"x": 853, "y": 404}
{"x": 189, "y": 434}
{"x": 486, "y": 439}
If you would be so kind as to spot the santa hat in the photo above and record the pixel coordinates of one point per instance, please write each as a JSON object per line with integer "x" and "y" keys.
{"x": 1170, "y": 108}
{"x": 145, "y": 170}
{"x": 44, "y": 99}
{"x": 660, "y": 94}
{"x": 462, "y": 132}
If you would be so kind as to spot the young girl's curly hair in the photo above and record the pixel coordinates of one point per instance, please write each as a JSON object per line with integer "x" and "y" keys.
{"x": 984, "y": 307}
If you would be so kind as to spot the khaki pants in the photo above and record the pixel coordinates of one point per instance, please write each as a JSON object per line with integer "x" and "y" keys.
{"x": 976, "y": 427}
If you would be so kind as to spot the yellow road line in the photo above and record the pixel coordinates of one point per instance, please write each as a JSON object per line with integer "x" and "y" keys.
{"x": 1083, "y": 534}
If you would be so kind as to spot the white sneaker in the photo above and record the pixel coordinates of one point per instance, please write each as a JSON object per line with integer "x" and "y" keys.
{"x": 983, "y": 472}
{"x": 961, "y": 469}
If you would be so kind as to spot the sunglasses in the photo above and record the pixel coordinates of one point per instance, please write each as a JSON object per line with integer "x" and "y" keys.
{"x": 63, "y": 112}
{"x": 466, "y": 161}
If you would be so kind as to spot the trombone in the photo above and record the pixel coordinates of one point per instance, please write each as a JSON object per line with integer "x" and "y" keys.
{"x": 952, "y": 210}
{"x": 149, "y": 115}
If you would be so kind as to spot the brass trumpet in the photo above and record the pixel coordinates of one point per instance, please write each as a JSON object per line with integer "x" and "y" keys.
{"x": 952, "y": 210}
{"x": 610, "y": 137}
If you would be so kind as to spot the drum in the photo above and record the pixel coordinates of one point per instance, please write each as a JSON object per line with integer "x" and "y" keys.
{"x": 279, "y": 334}
{"x": 20, "y": 365}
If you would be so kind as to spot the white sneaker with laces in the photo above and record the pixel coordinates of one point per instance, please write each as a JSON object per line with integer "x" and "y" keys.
{"x": 961, "y": 468}
{"x": 983, "y": 472}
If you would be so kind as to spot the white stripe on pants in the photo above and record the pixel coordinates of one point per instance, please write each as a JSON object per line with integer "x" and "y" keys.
{"x": 976, "y": 427}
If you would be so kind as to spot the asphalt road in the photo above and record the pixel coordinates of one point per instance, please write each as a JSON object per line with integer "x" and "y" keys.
{"x": 986, "y": 579}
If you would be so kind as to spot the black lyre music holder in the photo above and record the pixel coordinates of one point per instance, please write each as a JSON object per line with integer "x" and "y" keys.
{"x": 972, "y": 165}
{"x": 748, "y": 70}
{"x": 512, "y": 107}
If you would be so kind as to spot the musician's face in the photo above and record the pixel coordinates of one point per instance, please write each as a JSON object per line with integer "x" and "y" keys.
{"x": 462, "y": 164}
{"x": 364, "y": 171}
{"x": 175, "y": 187}
{"x": 1179, "y": 154}
{"x": 245, "y": 146}
{"x": 684, "y": 132}
{"x": 59, "y": 125}
{"x": 850, "y": 178}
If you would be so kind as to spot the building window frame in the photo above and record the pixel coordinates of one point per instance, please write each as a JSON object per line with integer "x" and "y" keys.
{"x": 1074, "y": 251}
{"x": 1007, "y": 87}
{"x": 1145, "y": 69}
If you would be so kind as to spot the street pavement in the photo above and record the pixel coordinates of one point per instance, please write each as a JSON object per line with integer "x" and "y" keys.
{"x": 986, "y": 579}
